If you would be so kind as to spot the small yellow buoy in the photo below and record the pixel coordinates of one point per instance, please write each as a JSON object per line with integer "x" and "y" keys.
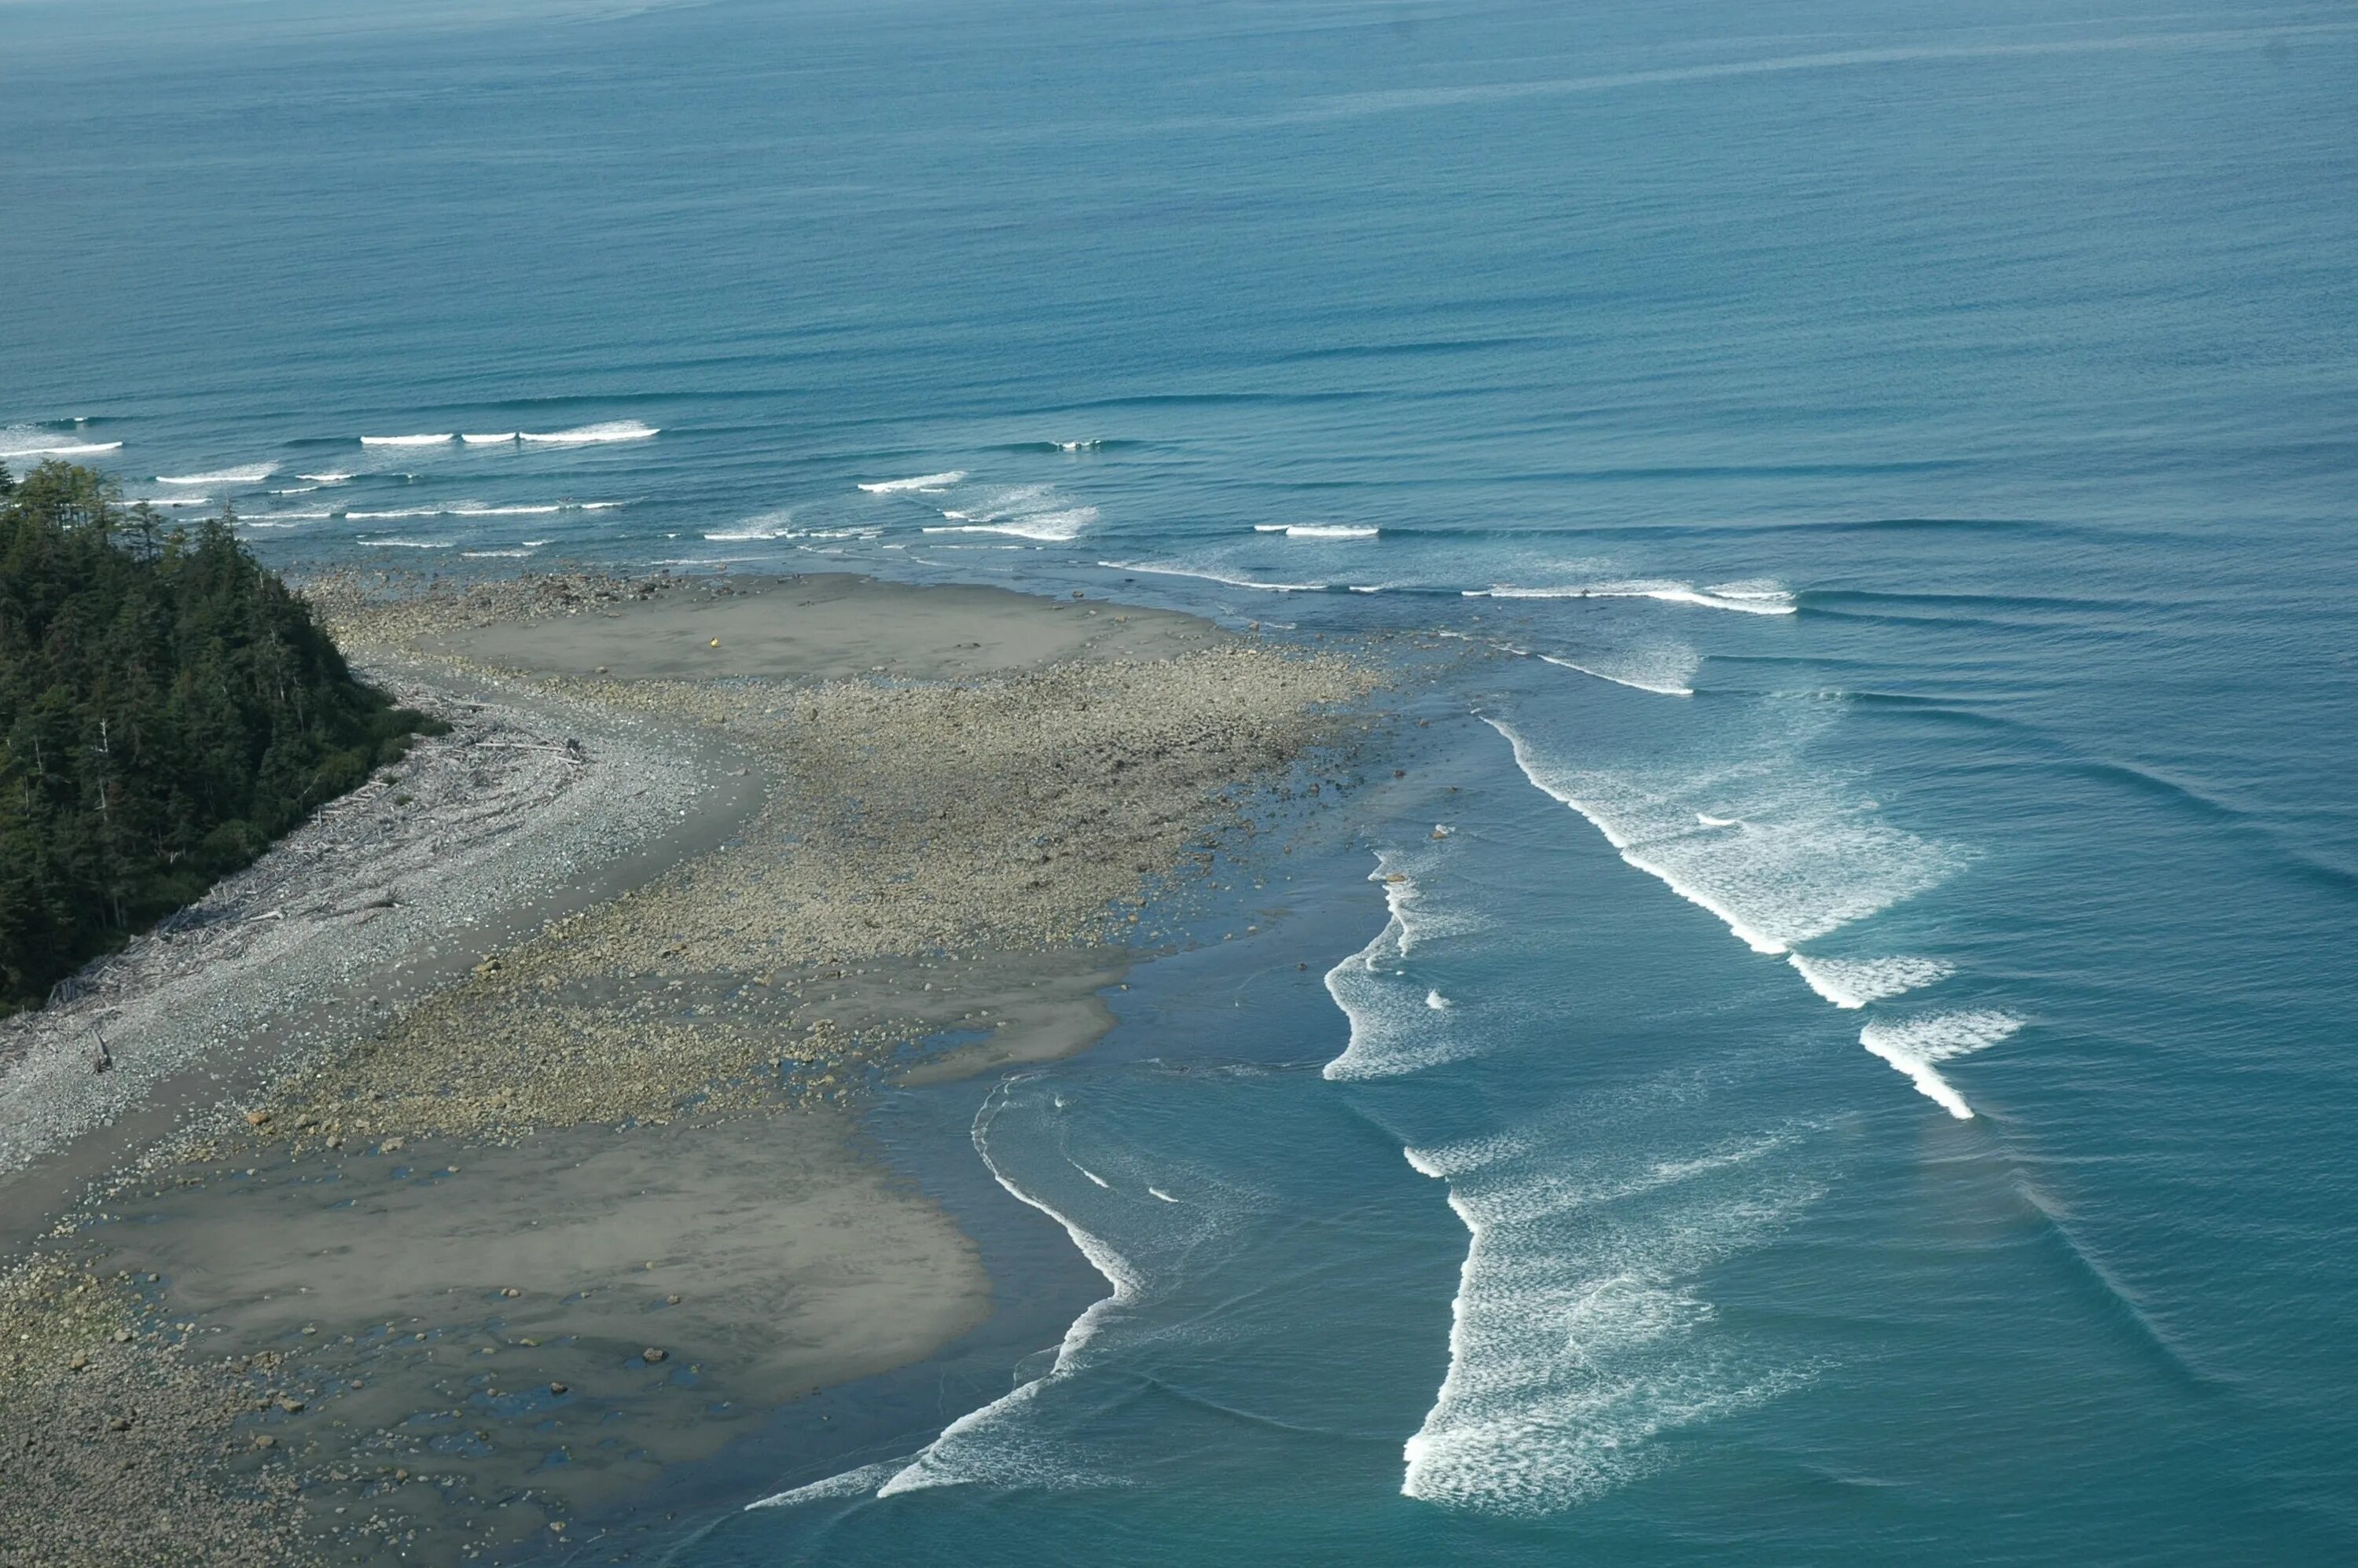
{"x": 716, "y": 641}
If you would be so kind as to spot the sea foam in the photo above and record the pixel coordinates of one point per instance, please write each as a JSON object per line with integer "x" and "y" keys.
{"x": 251, "y": 475}
{"x": 1577, "y": 1335}
{"x": 1798, "y": 860}
{"x": 30, "y": 441}
{"x": 1854, "y": 983}
{"x": 1916, "y": 1045}
{"x": 442, "y": 439}
{"x": 1214, "y": 576}
{"x": 1398, "y": 1024}
{"x": 1745, "y": 598}
{"x": 942, "y": 481}
{"x": 1317, "y": 530}
{"x": 1050, "y": 527}
{"x": 591, "y": 435}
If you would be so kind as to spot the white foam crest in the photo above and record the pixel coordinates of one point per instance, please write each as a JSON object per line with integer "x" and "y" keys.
{"x": 1662, "y": 669}
{"x": 1854, "y": 983}
{"x": 296, "y": 490}
{"x": 942, "y": 481}
{"x": 407, "y": 543}
{"x": 1662, "y": 684}
{"x": 1015, "y": 503}
{"x": 1215, "y": 577}
{"x": 971, "y": 1447}
{"x": 591, "y": 435}
{"x": 850, "y": 1483}
{"x": 1576, "y": 1335}
{"x": 442, "y": 439}
{"x": 1914, "y": 1045}
{"x": 282, "y": 519}
{"x": 477, "y": 509}
{"x": 1317, "y": 530}
{"x": 503, "y": 438}
{"x": 1799, "y": 865}
{"x": 1393, "y": 1029}
{"x": 769, "y": 525}
{"x": 173, "y": 500}
{"x": 1090, "y": 445}
{"x": 31, "y": 441}
{"x": 1092, "y": 1175}
{"x": 330, "y": 477}
{"x": 1745, "y": 598}
{"x": 1050, "y": 527}
{"x": 1158, "y": 1193}
{"x": 252, "y": 474}
{"x": 494, "y": 555}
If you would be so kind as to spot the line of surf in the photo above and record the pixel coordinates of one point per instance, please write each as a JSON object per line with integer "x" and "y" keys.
{"x": 942, "y": 481}
{"x": 1745, "y": 598}
{"x": 1216, "y": 577}
{"x": 930, "y": 1467}
{"x": 1917, "y": 1045}
{"x": 1750, "y": 935}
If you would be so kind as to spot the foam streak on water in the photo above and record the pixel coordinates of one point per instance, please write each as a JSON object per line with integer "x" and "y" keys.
{"x": 19, "y": 441}
{"x": 588, "y": 435}
{"x": 253, "y": 474}
{"x": 1854, "y": 983}
{"x": 1915, "y": 1046}
{"x": 1398, "y": 1024}
{"x": 1796, "y": 861}
{"x": 1745, "y": 598}
{"x": 991, "y": 1444}
{"x": 1577, "y": 1334}
{"x": 942, "y": 481}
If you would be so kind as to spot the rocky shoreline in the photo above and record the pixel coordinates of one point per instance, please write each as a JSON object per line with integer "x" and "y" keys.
{"x": 450, "y": 1279}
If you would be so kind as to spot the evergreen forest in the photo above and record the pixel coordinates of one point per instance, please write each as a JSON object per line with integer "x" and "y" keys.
{"x": 167, "y": 708}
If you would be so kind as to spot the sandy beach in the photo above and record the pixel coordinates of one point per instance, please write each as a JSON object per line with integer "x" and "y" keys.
{"x": 493, "y": 1144}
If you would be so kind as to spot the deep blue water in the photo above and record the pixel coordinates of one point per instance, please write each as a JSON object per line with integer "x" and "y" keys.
{"x": 1890, "y": 478}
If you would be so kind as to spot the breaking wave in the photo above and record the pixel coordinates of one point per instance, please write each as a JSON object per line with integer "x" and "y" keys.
{"x": 253, "y": 475}
{"x": 591, "y": 435}
{"x": 28, "y": 442}
{"x": 1916, "y": 1045}
{"x": 1794, "y": 861}
{"x": 1216, "y": 577}
{"x": 1854, "y": 982}
{"x": 1745, "y": 598}
{"x": 942, "y": 481}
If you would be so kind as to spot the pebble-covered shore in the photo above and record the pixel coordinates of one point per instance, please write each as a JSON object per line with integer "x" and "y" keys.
{"x": 970, "y": 856}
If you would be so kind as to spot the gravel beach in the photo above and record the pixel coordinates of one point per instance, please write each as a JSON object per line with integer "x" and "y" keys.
{"x": 491, "y": 1144}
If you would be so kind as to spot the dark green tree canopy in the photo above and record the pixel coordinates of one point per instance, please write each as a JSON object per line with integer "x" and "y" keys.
{"x": 168, "y": 708}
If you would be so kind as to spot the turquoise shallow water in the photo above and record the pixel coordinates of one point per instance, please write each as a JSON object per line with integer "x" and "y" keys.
{"x": 1862, "y": 1075}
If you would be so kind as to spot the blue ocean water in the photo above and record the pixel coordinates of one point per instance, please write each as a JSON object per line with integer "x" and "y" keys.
{"x": 1856, "y": 1070}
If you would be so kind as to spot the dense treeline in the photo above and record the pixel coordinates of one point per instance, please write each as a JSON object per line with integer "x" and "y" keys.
{"x": 167, "y": 708}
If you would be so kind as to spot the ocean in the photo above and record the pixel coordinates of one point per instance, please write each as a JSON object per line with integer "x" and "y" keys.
{"x": 1835, "y": 1051}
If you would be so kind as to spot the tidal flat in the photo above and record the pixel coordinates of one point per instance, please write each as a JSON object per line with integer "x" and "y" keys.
{"x": 447, "y": 1249}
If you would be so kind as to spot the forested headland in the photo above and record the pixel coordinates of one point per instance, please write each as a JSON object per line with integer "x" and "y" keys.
{"x": 167, "y": 708}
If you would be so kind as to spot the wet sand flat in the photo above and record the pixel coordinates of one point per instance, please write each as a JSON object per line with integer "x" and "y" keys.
{"x": 462, "y": 1276}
